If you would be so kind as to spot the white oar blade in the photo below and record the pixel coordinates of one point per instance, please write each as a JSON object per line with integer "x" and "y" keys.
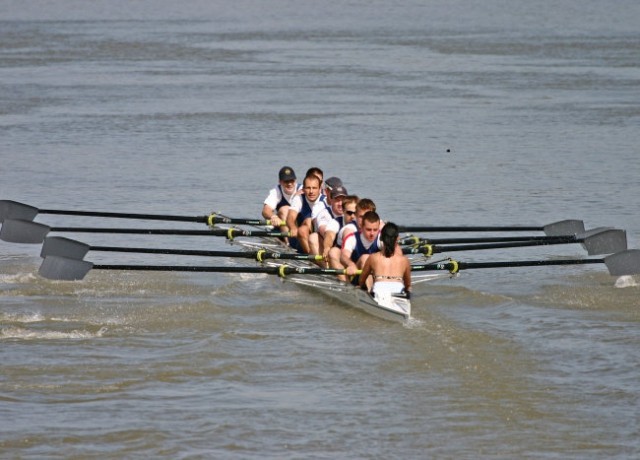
{"x": 624, "y": 263}
{"x": 564, "y": 227}
{"x": 64, "y": 268}
{"x": 65, "y": 247}
{"x": 23, "y": 231}
{"x": 14, "y": 210}
{"x": 604, "y": 241}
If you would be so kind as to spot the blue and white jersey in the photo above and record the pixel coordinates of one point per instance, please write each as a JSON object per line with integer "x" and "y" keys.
{"x": 349, "y": 228}
{"x": 277, "y": 198}
{"x": 359, "y": 245}
{"x": 324, "y": 218}
{"x": 306, "y": 208}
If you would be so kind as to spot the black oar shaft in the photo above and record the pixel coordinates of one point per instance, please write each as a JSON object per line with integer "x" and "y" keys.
{"x": 454, "y": 266}
{"x": 515, "y": 244}
{"x": 125, "y": 215}
{"x": 256, "y": 255}
{"x": 14, "y": 210}
{"x": 530, "y": 263}
{"x": 188, "y": 268}
{"x": 515, "y": 228}
{"x": 229, "y": 233}
{"x": 490, "y": 239}
{"x": 281, "y": 270}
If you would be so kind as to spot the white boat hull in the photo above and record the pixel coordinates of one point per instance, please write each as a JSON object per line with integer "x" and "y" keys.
{"x": 386, "y": 306}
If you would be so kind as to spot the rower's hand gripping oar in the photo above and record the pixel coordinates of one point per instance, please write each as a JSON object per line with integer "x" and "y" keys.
{"x": 24, "y": 231}
{"x": 14, "y": 210}
{"x": 596, "y": 241}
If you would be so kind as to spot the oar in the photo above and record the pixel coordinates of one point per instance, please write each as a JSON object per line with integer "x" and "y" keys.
{"x": 64, "y": 268}
{"x": 619, "y": 264}
{"x": 66, "y": 247}
{"x": 67, "y": 269}
{"x": 415, "y": 240}
{"x": 563, "y": 227}
{"x": 23, "y": 231}
{"x": 14, "y": 210}
{"x": 600, "y": 242}
{"x": 596, "y": 241}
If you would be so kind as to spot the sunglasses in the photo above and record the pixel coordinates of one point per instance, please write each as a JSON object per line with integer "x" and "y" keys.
{"x": 350, "y": 213}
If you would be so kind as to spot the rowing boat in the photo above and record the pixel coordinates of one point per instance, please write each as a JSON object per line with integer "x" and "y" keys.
{"x": 64, "y": 258}
{"x": 395, "y": 307}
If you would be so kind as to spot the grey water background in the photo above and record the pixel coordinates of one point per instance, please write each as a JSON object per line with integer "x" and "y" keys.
{"x": 444, "y": 113}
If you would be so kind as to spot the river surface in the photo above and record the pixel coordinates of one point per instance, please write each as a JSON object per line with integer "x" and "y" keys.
{"x": 443, "y": 112}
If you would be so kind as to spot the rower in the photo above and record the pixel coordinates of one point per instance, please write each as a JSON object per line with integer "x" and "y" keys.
{"x": 328, "y": 221}
{"x": 300, "y": 212}
{"x": 276, "y": 205}
{"x": 354, "y": 209}
{"x": 387, "y": 271}
{"x": 330, "y": 184}
{"x": 358, "y": 246}
{"x": 363, "y": 206}
{"x": 332, "y": 242}
{"x": 314, "y": 170}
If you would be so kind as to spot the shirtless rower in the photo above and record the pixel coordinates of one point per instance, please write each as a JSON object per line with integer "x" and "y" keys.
{"x": 276, "y": 205}
{"x": 300, "y": 212}
{"x": 387, "y": 270}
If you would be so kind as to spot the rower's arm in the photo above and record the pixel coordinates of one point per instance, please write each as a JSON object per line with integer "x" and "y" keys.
{"x": 406, "y": 276}
{"x": 292, "y": 215}
{"x": 345, "y": 259}
{"x": 327, "y": 243}
{"x": 366, "y": 271}
{"x": 268, "y": 212}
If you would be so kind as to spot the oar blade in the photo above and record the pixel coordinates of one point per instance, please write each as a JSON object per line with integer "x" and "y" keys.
{"x": 23, "y": 231}
{"x": 65, "y": 247}
{"x": 64, "y": 268}
{"x": 564, "y": 227}
{"x": 604, "y": 241}
{"x": 13, "y": 210}
{"x": 624, "y": 263}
